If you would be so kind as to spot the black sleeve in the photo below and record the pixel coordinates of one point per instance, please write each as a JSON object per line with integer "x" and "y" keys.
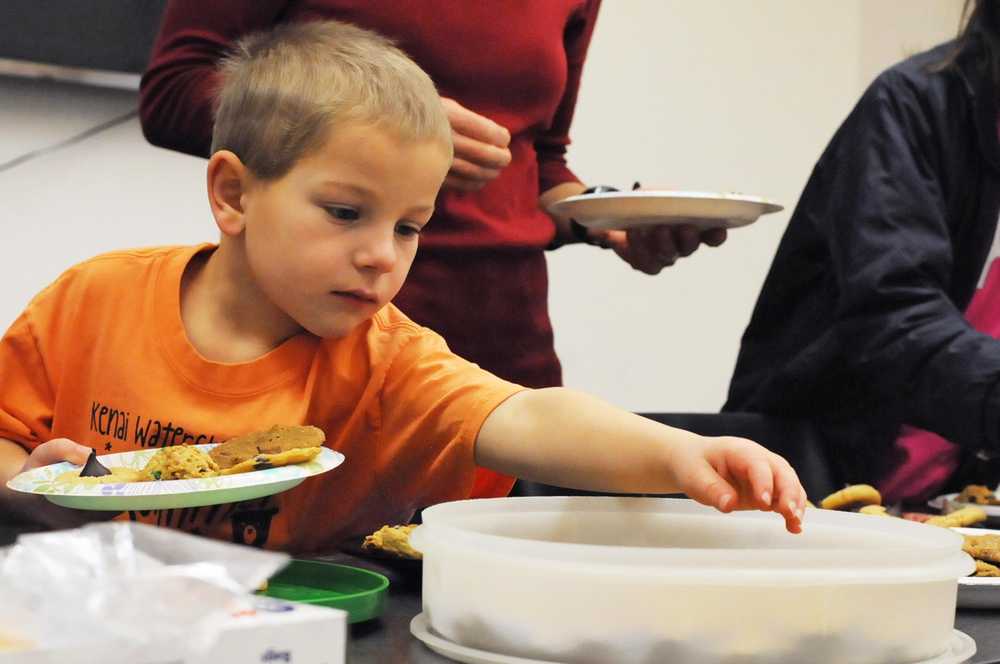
{"x": 890, "y": 240}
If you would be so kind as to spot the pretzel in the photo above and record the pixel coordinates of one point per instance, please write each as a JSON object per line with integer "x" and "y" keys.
{"x": 851, "y": 497}
{"x": 874, "y": 510}
{"x": 967, "y": 516}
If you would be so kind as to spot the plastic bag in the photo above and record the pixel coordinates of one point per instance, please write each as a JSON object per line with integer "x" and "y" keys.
{"x": 123, "y": 592}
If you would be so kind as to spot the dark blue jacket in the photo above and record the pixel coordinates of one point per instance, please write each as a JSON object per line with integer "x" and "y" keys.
{"x": 860, "y": 325}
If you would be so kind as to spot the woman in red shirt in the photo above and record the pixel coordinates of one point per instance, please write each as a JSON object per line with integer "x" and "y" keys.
{"x": 508, "y": 72}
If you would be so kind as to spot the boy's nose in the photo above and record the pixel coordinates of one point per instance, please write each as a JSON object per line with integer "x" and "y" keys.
{"x": 377, "y": 251}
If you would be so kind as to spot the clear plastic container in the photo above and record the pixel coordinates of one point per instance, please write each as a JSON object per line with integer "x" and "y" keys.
{"x": 601, "y": 579}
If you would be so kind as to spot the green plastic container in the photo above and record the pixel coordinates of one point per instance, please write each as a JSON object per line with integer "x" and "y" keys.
{"x": 360, "y": 592}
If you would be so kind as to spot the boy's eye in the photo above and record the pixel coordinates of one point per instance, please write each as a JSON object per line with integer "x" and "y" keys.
{"x": 408, "y": 230}
{"x": 342, "y": 212}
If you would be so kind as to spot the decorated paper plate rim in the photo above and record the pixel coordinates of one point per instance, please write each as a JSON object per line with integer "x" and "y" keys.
{"x": 949, "y": 503}
{"x": 42, "y": 480}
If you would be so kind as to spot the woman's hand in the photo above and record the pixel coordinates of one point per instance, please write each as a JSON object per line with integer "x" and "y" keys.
{"x": 481, "y": 150}
{"x": 648, "y": 249}
{"x": 737, "y": 474}
{"x": 651, "y": 249}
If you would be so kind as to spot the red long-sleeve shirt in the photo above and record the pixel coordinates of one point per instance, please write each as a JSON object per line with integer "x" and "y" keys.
{"x": 517, "y": 62}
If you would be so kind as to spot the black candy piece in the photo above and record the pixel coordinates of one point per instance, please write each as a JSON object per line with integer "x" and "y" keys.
{"x": 93, "y": 467}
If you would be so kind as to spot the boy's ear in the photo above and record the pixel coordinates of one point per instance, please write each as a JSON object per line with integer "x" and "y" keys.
{"x": 228, "y": 180}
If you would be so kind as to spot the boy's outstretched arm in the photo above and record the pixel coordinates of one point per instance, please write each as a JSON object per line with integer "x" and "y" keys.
{"x": 567, "y": 438}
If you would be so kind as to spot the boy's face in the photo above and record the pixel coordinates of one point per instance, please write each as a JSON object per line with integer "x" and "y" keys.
{"x": 331, "y": 242}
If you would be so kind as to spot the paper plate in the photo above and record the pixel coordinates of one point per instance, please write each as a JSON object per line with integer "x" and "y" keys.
{"x": 168, "y": 494}
{"x": 949, "y": 503}
{"x": 621, "y": 210}
{"x": 978, "y": 592}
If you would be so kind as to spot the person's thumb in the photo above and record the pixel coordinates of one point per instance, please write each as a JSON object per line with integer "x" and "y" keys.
{"x": 56, "y": 450}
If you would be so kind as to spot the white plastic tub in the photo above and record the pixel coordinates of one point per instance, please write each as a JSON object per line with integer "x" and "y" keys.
{"x": 582, "y": 579}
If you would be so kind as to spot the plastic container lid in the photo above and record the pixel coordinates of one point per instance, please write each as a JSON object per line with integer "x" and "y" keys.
{"x": 360, "y": 592}
{"x": 660, "y": 537}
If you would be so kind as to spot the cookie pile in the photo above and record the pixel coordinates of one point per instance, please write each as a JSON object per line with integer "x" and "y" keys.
{"x": 866, "y": 499}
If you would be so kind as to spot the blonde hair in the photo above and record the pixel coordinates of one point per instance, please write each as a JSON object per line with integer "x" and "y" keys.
{"x": 283, "y": 90}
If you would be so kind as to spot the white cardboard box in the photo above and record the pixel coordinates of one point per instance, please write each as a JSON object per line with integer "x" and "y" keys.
{"x": 276, "y": 631}
{"x": 268, "y": 631}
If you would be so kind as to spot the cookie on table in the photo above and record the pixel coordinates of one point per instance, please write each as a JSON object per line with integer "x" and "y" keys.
{"x": 852, "y": 498}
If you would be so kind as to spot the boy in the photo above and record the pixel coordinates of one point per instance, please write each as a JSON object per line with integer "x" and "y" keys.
{"x": 328, "y": 152}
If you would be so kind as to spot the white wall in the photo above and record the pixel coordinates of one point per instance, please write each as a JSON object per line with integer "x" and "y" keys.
{"x": 716, "y": 95}
{"x": 727, "y": 95}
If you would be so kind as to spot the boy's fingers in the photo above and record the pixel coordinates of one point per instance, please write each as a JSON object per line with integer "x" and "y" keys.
{"x": 793, "y": 524}
{"x": 788, "y": 489}
{"x": 751, "y": 469}
{"x": 761, "y": 481}
{"x": 789, "y": 498}
{"x": 709, "y": 488}
{"x": 56, "y": 450}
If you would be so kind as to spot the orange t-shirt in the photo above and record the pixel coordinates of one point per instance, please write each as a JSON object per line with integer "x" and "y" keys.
{"x": 101, "y": 357}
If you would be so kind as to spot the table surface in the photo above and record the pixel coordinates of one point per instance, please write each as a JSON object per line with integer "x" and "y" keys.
{"x": 388, "y": 638}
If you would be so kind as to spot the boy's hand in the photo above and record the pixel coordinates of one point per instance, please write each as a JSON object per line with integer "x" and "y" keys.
{"x": 54, "y": 451}
{"x": 481, "y": 150}
{"x": 40, "y": 510}
{"x": 737, "y": 474}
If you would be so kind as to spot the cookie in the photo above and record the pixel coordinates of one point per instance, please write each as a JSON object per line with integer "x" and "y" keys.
{"x": 986, "y": 569}
{"x": 852, "y": 497}
{"x": 983, "y": 547}
{"x": 977, "y": 494}
{"x": 275, "y": 440}
{"x": 265, "y": 461}
{"x": 394, "y": 540}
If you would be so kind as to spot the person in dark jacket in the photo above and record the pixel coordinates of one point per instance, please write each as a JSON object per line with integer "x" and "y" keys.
{"x": 878, "y": 318}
